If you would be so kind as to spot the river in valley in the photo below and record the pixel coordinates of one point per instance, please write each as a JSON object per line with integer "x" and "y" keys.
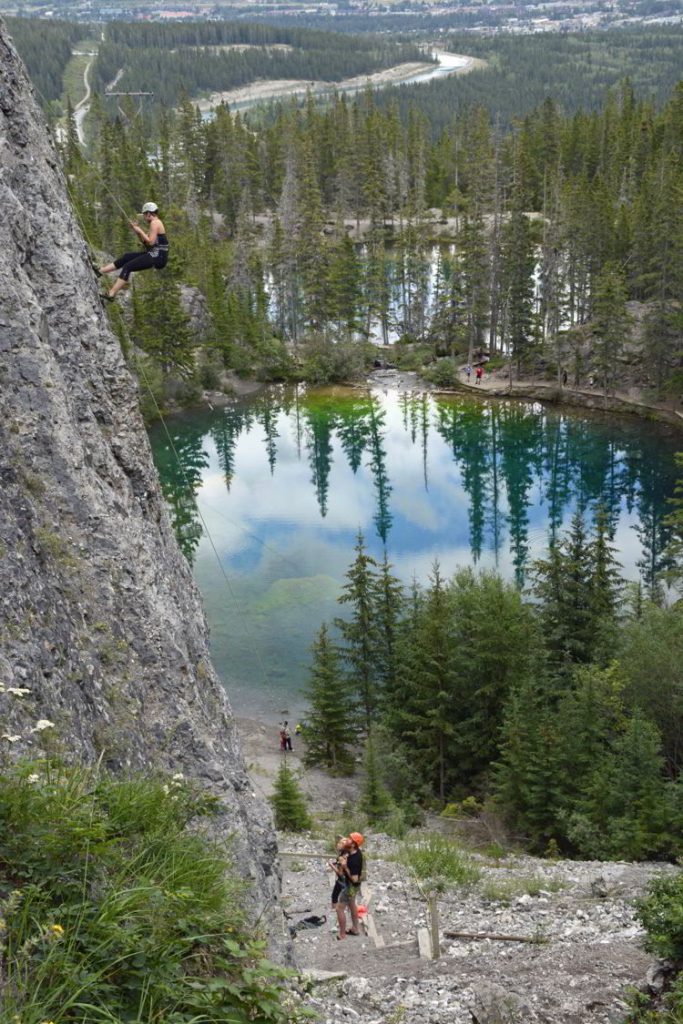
{"x": 283, "y": 481}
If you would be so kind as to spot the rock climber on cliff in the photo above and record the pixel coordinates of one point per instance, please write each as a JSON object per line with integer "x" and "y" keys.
{"x": 156, "y": 256}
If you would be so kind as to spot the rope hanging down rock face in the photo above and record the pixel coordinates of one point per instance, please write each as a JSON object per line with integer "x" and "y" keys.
{"x": 140, "y": 367}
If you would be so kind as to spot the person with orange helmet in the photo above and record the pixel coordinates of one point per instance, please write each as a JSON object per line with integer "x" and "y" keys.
{"x": 348, "y": 868}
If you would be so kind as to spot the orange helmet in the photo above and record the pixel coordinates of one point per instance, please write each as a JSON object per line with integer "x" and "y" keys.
{"x": 357, "y": 838}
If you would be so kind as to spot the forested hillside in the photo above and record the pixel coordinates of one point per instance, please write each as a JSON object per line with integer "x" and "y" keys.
{"x": 188, "y": 59}
{"x": 576, "y": 70}
{"x": 559, "y": 707}
{"x": 46, "y": 48}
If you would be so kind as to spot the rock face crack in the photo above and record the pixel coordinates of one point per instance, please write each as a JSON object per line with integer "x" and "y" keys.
{"x": 100, "y": 619}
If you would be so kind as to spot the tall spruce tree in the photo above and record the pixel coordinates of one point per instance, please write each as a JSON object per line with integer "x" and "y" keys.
{"x": 527, "y": 779}
{"x": 329, "y": 730}
{"x": 388, "y": 601}
{"x": 651, "y": 654}
{"x": 518, "y": 278}
{"x": 590, "y": 717}
{"x": 563, "y": 585}
{"x": 375, "y": 800}
{"x": 422, "y": 713}
{"x": 359, "y": 632}
{"x": 497, "y": 646}
{"x": 610, "y": 324}
{"x": 627, "y": 809}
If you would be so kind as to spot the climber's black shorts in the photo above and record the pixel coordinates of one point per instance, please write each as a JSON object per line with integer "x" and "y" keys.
{"x": 131, "y": 261}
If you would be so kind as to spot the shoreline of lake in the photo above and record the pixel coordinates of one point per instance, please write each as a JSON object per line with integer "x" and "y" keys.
{"x": 627, "y": 403}
{"x": 492, "y": 386}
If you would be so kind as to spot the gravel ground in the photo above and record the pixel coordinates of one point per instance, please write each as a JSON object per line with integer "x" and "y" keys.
{"x": 585, "y": 949}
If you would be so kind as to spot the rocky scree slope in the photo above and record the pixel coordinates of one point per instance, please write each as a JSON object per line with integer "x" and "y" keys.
{"x": 582, "y": 956}
{"x": 103, "y": 643}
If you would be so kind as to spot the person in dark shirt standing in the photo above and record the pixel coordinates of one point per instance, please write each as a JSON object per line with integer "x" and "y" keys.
{"x": 348, "y": 868}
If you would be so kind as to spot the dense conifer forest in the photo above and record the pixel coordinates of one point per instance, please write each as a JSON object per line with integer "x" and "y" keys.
{"x": 558, "y": 707}
{"x": 564, "y": 241}
{"x": 575, "y": 69}
{"x": 172, "y": 61}
{"x": 214, "y": 56}
{"x": 46, "y": 48}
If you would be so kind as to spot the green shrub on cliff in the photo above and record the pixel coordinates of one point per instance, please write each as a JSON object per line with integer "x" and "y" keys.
{"x": 114, "y": 907}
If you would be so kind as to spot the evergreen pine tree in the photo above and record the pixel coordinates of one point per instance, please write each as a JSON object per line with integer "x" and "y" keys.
{"x": 375, "y": 800}
{"x": 518, "y": 271}
{"x": 610, "y": 324}
{"x": 289, "y": 804}
{"x": 359, "y": 633}
{"x": 563, "y": 584}
{"x": 329, "y": 721}
{"x": 497, "y": 646}
{"x": 627, "y": 811}
{"x": 168, "y": 337}
{"x": 527, "y": 781}
{"x": 605, "y": 587}
{"x": 651, "y": 655}
{"x": 590, "y": 717}
{"x": 422, "y": 712}
{"x": 675, "y": 521}
{"x": 389, "y": 600}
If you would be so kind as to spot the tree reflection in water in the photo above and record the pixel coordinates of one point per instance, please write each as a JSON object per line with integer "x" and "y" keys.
{"x": 285, "y": 480}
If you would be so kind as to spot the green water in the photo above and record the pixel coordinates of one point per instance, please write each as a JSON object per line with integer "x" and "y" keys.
{"x": 284, "y": 480}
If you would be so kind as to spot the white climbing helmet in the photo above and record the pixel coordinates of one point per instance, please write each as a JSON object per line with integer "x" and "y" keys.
{"x": 150, "y": 208}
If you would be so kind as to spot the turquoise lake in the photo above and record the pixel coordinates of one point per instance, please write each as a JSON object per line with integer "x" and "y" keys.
{"x": 284, "y": 480}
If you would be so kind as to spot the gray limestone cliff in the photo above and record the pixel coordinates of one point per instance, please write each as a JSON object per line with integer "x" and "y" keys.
{"x": 102, "y": 633}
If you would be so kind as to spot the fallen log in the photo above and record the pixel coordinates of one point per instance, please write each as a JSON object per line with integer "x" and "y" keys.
{"x": 491, "y": 935}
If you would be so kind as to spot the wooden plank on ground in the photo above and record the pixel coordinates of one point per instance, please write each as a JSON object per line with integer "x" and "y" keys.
{"x": 372, "y": 932}
{"x": 424, "y": 943}
{"x": 490, "y": 935}
{"x": 318, "y": 977}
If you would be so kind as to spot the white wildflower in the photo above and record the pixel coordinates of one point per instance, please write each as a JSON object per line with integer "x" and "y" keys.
{"x": 41, "y": 724}
{"x": 178, "y": 777}
{"x": 33, "y": 777}
{"x": 18, "y": 691}
{"x": 10, "y": 739}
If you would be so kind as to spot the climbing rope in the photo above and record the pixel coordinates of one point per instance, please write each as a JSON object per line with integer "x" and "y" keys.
{"x": 254, "y": 646}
